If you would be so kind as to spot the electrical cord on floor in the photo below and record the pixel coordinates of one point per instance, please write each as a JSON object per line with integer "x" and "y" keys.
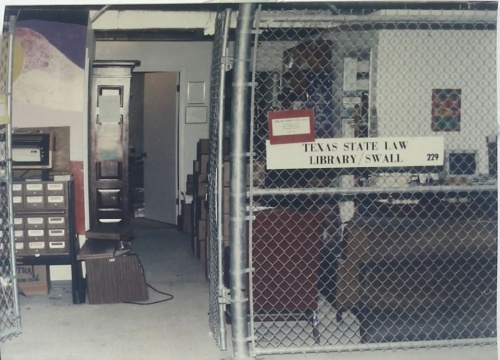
{"x": 169, "y": 296}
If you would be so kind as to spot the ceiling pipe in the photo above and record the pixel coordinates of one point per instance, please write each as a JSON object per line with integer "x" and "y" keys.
{"x": 385, "y": 15}
{"x": 99, "y": 13}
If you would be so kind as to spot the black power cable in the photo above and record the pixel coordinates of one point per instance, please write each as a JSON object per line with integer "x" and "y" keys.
{"x": 169, "y": 296}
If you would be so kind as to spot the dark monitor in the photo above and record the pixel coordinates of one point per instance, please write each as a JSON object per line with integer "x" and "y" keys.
{"x": 462, "y": 163}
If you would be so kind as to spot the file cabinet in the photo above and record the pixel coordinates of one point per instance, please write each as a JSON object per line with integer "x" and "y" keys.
{"x": 44, "y": 228}
{"x": 42, "y": 213}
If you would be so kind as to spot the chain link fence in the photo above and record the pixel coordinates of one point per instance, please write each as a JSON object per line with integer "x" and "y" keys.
{"x": 9, "y": 309}
{"x": 374, "y": 182}
{"x": 215, "y": 184}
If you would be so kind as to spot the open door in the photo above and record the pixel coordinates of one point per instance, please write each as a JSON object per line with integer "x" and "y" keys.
{"x": 160, "y": 146}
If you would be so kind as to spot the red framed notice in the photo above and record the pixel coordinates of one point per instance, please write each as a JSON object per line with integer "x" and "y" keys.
{"x": 291, "y": 126}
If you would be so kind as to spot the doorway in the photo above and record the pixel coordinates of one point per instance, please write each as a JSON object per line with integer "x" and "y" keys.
{"x": 153, "y": 141}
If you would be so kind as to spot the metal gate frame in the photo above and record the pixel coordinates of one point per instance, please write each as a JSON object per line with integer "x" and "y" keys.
{"x": 10, "y": 320}
{"x": 221, "y": 63}
{"x": 293, "y": 20}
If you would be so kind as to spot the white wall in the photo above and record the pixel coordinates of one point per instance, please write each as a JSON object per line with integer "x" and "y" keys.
{"x": 192, "y": 59}
{"x": 412, "y": 63}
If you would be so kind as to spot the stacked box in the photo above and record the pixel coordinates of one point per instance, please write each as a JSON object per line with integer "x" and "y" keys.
{"x": 200, "y": 195}
{"x": 189, "y": 184}
{"x": 33, "y": 279}
{"x": 258, "y": 169}
{"x": 200, "y": 190}
{"x": 194, "y": 209}
{"x": 186, "y": 217}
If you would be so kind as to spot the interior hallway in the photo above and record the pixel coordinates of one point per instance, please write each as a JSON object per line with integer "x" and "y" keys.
{"x": 55, "y": 329}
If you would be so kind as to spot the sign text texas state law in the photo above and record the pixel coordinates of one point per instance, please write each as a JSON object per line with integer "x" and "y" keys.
{"x": 357, "y": 152}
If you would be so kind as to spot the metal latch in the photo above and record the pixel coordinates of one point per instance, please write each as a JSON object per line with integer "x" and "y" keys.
{"x": 224, "y": 298}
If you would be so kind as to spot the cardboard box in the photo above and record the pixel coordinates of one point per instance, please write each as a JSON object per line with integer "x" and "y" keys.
{"x": 202, "y": 229}
{"x": 227, "y": 173}
{"x": 204, "y": 164}
{"x": 226, "y": 228}
{"x": 33, "y": 279}
{"x": 225, "y": 205}
{"x": 202, "y": 209}
{"x": 258, "y": 169}
{"x": 189, "y": 184}
{"x": 202, "y": 186}
{"x": 203, "y": 250}
{"x": 259, "y": 173}
{"x": 187, "y": 220}
{"x": 225, "y": 232}
{"x": 203, "y": 147}
{"x": 226, "y": 179}
{"x": 195, "y": 244}
{"x": 196, "y": 167}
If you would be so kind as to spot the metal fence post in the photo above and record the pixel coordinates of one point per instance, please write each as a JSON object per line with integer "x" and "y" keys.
{"x": 239, "y": 148}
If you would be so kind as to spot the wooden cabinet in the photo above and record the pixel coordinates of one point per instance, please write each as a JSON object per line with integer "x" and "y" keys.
{"x": 109, "y": 124}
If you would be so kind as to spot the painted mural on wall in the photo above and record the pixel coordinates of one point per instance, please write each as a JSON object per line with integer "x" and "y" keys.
{"x": 49, "y": 61}
{"x": 49, "y": 88}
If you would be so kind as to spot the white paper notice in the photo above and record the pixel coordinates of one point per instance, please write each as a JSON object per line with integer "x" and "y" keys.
{"x": 291, "y": 126}
{"x": 109, "y": 109}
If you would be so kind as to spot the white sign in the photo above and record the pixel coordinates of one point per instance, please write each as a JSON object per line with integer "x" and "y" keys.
{"x": 349, "y": 102}
{"x": 357, "y": 152}
{"x": 291, "y": 126}
{"x": 350, "y": 74}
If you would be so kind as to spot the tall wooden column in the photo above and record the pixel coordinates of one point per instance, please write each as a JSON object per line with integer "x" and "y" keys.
{"x": 108, "y": 163}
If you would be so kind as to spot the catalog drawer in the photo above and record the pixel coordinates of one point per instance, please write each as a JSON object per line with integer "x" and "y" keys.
{"x": 33, "y": 189}
{"x": 35, "y": 222}
{"x": 35, "y": 247}
{"x": 55, "y": 202}
{"x": 57, "y": 222}
{"x": 34, "y": 202}
{"x": 54, "y": 189}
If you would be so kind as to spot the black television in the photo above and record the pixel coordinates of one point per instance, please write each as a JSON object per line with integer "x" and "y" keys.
{"x": 462, "y": 163}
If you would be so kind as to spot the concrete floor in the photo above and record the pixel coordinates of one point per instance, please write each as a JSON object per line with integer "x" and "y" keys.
{"x": 55, "y": 329}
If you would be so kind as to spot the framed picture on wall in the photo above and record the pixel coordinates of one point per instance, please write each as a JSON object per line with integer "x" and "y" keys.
{"x": 196, "y": 114}
{"x": 196, "y": 92}
{"x": 446, "y": 108}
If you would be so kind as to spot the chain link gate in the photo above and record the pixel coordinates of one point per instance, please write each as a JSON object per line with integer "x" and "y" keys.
{"x": 220, "y": 63}
{"x": 10, "y": 322}
{"x": 375, "y": 224}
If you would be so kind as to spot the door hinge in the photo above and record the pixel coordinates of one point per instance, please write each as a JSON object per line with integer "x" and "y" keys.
{"x": 178, "y": 88}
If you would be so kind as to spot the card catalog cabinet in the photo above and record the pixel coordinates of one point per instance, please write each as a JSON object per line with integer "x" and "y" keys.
{"x": 41, "y": 217}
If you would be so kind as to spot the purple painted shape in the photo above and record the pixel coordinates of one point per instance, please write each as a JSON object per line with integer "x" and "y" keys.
{"x": 70, "y": 39}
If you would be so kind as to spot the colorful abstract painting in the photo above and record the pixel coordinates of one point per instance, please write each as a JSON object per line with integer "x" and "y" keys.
{"x": 49, "y": 89}
{"x": 446, "y": 108}
{"x": 49, "y": 65}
